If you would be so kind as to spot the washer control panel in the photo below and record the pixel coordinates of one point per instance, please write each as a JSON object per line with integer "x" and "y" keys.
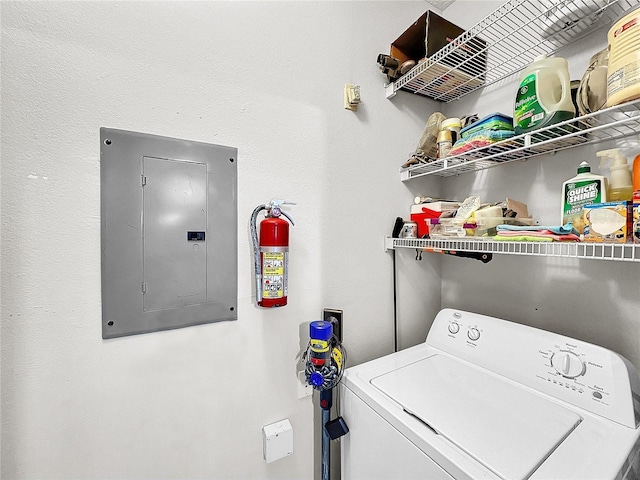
{"x": 577, "y": 372}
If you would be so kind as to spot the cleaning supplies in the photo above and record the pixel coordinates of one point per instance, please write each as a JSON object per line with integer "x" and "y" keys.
{"x": 584, "y": 188}
{"x": 636, "y": 179}
{"x": 544, "y": 95}
{"x": 608, "y": 222}
{"x": 620, "y": 177}
{"x": 454, "y": 125}
{"x": 623, "y": 74}
{"x": 444, "y": 143}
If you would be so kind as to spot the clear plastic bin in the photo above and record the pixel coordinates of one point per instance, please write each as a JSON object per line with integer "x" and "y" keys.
{"x": 450, "y": 227}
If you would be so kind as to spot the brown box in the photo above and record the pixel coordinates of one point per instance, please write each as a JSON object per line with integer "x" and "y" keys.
{"x": 429, "y": 34}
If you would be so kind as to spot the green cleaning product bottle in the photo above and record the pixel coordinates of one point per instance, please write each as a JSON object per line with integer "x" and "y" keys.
{"x": 620, "y": 187}
{"x": 544, "y": 95}
{"x": 584, "y": 188}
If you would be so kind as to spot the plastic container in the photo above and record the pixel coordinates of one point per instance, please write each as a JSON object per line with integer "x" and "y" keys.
{"x": 450, "y": 227}
{"x": 584, "y": 188}
{"x": 544, "y": 95}
{"x": 493, "y": 212}
{"x": 623, "y": 74}
{"x": 445, "y": 142}
{"x": 409, "y": 230}
{"x": 592, "y": 92}
{"x": 493, "y": 122}
{"x": 454, "y": 125}
{"x": 620, "y": 177}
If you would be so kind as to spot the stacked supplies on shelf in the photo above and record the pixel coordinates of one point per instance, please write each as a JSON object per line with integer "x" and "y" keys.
{"x": 483, "y": 133}
{"x": 536, "y": 233}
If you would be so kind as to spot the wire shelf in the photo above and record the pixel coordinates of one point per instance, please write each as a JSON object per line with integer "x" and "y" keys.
{"x": 624, "y": 252}
{"x": 608, "y": 124}
{"x": 504, "y": 43}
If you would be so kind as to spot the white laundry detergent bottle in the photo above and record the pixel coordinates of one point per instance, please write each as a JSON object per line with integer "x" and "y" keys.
{"x": 544, "y": 95}
{"x": 623, "y": 72}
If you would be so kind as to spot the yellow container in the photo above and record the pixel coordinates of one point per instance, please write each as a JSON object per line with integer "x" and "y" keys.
{"x": 623, "y": 72}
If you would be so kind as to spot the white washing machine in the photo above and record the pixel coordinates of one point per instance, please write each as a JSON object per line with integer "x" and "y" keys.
{"x": 488, "y": 398}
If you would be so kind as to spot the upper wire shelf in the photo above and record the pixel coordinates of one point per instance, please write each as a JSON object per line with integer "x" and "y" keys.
{"x": 608, "y": 124}
{"x": 509, "y": 39}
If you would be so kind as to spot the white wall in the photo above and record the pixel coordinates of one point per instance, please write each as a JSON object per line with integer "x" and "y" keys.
{"x": 266, "y": 77}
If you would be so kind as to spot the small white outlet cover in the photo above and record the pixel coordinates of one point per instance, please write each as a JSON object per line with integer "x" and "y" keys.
{"x": 277, "y": 440}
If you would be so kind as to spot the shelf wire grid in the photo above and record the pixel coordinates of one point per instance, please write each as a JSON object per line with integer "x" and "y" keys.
{"x": 506, "y": 41}
{"x": 607, "y": 124}
{"x": 624, "y": 252}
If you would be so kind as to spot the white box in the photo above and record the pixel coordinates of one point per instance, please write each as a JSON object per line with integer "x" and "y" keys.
{"x": 435, "y": 206}
{"x": 277, "y": 440}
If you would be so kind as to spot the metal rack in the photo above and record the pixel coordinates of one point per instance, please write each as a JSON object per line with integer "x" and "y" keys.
{"x": 623, "y": 252}
{"x": 500, "y": 45}
{"x": 504, "y": 43}
{"x": 608, "y": 124}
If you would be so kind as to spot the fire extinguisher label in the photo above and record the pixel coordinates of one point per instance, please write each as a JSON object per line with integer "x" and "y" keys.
{"x": 273, "y": 274}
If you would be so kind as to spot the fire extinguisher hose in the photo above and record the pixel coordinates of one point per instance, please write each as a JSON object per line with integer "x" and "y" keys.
{"x": 256, "y": 250}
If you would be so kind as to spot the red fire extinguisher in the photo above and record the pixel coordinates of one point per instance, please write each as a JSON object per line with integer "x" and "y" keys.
{"x": 271, "y": 254}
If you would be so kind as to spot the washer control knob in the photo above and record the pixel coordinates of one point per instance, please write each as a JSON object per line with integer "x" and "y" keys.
{"x": 473, "y": 334}
{"x": 454, "y": 327}
{"x": 567, "y": 364}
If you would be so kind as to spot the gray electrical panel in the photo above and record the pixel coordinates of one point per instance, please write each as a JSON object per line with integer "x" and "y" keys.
{"x": 168, "y": 232}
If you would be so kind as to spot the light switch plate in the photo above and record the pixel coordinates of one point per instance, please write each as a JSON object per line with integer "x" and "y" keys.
{"x": 168, "y": 232}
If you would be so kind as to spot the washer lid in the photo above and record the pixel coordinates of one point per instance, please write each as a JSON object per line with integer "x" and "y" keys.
{"x": 506, "y": 428}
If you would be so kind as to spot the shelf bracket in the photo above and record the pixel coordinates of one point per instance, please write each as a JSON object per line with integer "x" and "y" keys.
{"x": 388, "y": 244}
{"x": 389, "y": 90}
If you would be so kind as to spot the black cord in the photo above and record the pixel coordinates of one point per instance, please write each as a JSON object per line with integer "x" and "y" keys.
{"x": 397, "y": 228}
{"x": 395, "y": 305}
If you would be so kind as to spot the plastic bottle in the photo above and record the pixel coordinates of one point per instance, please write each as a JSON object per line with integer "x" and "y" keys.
{"x": 623, "y": 75}
{"x": 636, "y": 179}
{"x": 444, "y": 143}
{"x": 584, "y": 188}
{"x": 454, "y": 125}
{"x": 620, "y": 177}
{"x": 544, "y": 95}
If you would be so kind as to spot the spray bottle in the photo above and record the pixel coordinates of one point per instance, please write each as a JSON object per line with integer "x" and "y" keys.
{"x": 636, "y": 179}
{"x": 620, "y": 178}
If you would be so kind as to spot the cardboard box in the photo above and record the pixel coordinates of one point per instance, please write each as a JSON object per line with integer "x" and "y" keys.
{"x": 431, "y": 33}
{"x": 609, "y": 222}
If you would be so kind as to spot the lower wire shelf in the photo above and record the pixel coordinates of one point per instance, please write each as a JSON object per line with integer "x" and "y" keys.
{"x": 624, "y": 252}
